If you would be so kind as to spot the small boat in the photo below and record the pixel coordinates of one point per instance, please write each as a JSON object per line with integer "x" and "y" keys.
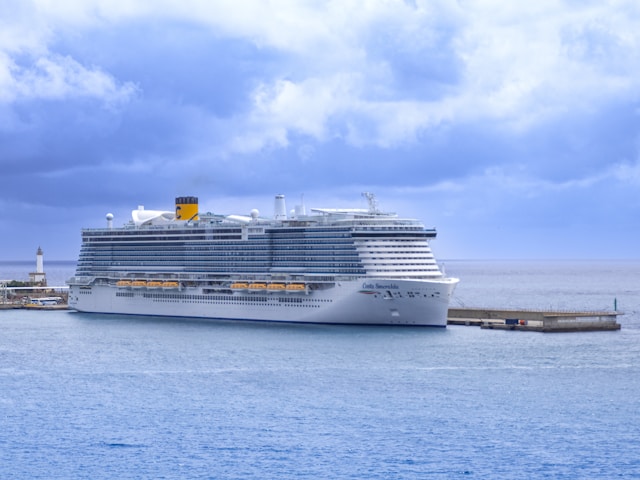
{"x": 256, "y": 287}
{"x": 276, "y": 287}
{"x": 239, "y": 286}
{"x": 139, "y": 283}
{"x": 154, "y": 284}
{"x": 123, "y": 283}
{"x": 170, "y": 284}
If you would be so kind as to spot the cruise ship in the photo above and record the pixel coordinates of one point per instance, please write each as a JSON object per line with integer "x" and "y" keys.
{"x": 358, "y": 266}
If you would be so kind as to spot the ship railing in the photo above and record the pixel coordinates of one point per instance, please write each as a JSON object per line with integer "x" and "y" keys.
{"x": 77, "y": 280}
{"x": 381, "y": 222}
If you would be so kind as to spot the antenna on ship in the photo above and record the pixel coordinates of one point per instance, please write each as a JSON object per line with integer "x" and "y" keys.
{"x": 373, "y": 203}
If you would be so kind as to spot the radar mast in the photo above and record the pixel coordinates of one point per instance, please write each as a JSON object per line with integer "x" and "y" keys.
{"x": 373, "y": 203}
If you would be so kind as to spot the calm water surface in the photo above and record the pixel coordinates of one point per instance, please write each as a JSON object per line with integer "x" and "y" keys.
{"x": 99, "y": 396}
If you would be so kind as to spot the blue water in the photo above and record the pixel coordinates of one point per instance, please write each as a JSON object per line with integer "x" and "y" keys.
{"x": 99, "y": 396}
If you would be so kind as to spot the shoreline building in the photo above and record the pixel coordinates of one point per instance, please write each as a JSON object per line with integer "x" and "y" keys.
{"x": 39, "y": 276}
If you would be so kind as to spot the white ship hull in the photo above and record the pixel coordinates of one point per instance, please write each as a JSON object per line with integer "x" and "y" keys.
{"x": 354, "y": 302}
{"x": 333, "y": 266}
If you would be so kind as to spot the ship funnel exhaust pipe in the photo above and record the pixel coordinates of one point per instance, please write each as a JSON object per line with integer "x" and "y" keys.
{"x": 280, "y": 210}
{"x": 187, "y": 208}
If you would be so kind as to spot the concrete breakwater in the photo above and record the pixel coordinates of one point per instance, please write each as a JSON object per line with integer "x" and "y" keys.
{"x": 534, "y": 320}
{"x": 33, "y": 306}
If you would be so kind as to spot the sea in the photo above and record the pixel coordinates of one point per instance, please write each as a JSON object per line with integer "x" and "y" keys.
{"x": 110, "y": 396}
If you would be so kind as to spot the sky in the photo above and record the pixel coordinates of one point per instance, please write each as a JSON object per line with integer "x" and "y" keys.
{"x": 511, "y": 127}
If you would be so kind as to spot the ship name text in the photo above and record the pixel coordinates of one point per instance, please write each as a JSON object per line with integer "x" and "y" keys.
{"x": 382, "y": 286}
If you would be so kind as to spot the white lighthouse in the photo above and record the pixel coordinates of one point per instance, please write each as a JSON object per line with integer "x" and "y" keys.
{"x": 39, "y": 276}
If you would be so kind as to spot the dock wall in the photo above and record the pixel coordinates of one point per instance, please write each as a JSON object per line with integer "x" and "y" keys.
{"x": 535, "y": 320}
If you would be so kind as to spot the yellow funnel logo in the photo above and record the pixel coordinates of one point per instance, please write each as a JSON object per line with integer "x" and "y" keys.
{"x": 186, "y": 208}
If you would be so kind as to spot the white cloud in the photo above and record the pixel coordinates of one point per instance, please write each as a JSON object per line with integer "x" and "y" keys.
{"x": 29, "y": 70}
{"x": 626, "y": 173}
{"x": 334, "y": 78}
{"x": 519, "y": 63}
{"x": 528, "y": 61}
{"x": 57, "y": 77}
{"x": 304, "y": 108}
{"x": 323, "y": 108}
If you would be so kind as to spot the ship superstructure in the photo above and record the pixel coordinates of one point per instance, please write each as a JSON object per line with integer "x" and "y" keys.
{"x": 338, "y": 266}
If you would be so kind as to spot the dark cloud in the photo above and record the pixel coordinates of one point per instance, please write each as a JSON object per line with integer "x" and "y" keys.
{"x": 145, "y": 109}
{"x": 582, "y": 143}
{"x": 181, "y": 63}
{"x": 423, "y": 64}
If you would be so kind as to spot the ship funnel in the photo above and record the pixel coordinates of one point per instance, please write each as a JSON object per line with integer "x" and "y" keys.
{"x": 187, "y": 208}
{"x": 280, "y": 210}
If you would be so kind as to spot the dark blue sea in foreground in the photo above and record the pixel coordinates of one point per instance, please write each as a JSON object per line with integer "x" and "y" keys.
{"x": 99, "y": 396}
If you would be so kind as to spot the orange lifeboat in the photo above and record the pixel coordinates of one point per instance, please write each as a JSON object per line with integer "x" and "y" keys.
{"x": 276, "y": 287}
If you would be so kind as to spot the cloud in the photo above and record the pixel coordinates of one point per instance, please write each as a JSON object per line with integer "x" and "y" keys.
{"x": 627, "y": 173}
{"x": 29, "y": 69}
{"x": 382, "y": 73}
{"x": 526, "y": 64}
{"x": 518, "y": 67}
{"x": 60, "y": 77}
{"x": 474, "y": 111}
